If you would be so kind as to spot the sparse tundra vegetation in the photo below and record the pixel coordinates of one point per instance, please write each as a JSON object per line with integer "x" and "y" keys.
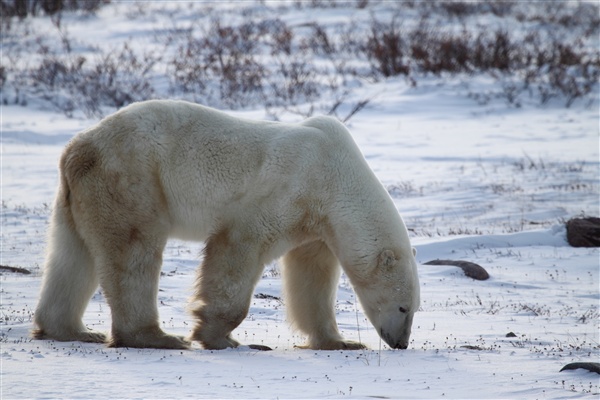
{"x": 233, "y": 57}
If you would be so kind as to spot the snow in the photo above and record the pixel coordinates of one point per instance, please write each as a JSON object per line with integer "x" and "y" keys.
{"x": 489, "y": 184}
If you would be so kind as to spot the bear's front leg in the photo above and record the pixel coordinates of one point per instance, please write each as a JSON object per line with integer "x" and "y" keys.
{"x": 224, "y": 287}
{"x": 311, "y": 275}
{"x": 213, "y": 328}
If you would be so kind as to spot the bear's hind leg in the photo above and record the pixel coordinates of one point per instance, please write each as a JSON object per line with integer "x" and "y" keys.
{"x": 310, "y": 275}
{"x": 69, "y": 281}
{"x": 129, "y": 276}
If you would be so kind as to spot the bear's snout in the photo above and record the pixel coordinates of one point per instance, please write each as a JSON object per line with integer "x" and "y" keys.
{"x": 394, "y": 343}
{"x": 401, "y": 346}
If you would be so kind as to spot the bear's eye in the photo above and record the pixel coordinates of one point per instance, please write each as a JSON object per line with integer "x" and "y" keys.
{"x": 403, "y": 310}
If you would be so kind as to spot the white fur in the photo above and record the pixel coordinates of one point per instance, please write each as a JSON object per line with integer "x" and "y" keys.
{"x": 254, "y": 191}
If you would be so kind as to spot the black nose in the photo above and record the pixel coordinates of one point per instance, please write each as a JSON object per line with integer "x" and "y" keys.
{"x": 402, "y": 345}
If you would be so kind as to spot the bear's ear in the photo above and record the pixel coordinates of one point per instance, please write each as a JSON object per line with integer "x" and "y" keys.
{"x": 414, "y": 252}
{"x": 386, "y": 259}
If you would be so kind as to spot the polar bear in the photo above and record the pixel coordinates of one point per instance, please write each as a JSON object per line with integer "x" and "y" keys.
{"x": 253, "y": 191}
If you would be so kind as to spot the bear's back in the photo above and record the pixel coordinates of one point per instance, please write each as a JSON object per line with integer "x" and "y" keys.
{"x": 209, "y": 163}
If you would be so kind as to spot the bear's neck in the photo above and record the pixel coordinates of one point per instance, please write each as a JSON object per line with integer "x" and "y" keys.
{"x": 366, "y": 222}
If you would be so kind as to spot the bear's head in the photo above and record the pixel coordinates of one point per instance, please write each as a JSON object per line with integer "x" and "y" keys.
{"x": 390, "y": 295}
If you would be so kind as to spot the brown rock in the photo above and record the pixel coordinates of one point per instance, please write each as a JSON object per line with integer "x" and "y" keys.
{"x": 17, "y": 270}
{"x": 470, "y": 269}
{"x": 590, "y": 366}
{"x": 584, "y": 232}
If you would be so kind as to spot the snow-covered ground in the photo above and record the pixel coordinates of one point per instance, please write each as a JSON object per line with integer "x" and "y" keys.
{"x": 491, "y": 184}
